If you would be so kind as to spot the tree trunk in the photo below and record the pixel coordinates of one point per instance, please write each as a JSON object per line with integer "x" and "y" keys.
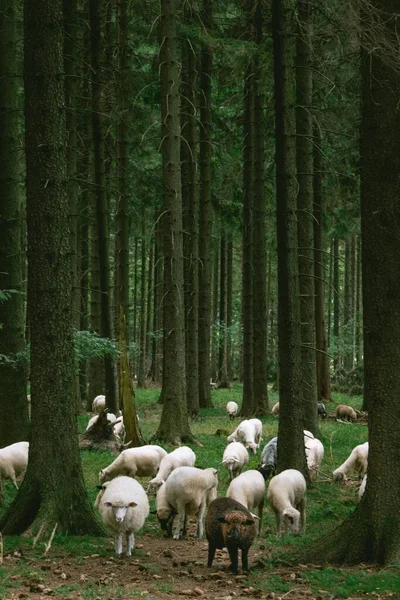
{"x": 260, "y": 389}
{"x": 149, "y": 332}
{"x": 97, "y": 10}
{"x": 359, "y": 335}
{"x": 330, "y": 292}
{"x": 14, "y": 419}
{"x": 290, "y": 434}
{"x": 174, "y": 426}
{"x": 336, "y": 301}
{"x": 229, "y": 298}
{"x": 214, "y": 316}
{"x": 206, "y": 215}
{"x": 157, "y": 307}
{"x": 370, "y": 534}
{"x": 347, "y": 306}
{"x": 142, "y": 329}
{"x": 305, "y": 221}
{"x": 53, "y": 491}
{"x": 135, "y": 306}
{"x": 223, "y": 381}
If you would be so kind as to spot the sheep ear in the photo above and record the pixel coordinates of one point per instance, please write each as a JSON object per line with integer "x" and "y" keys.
{"x": 221, "y": 520}
{"x": 249, "y": 522}
{"x": 215, "y": 471}
{"x": 132, "y": 504}
{"x": 107, "y": 503}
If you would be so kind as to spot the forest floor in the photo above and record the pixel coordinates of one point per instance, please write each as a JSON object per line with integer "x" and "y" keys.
{"x": 86, "y": 569}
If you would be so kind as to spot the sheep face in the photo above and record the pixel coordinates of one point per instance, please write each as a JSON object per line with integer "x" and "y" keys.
{"x": 153, "y": 486}
{"x": 338, "y": 476}
{"x": 291, "y": 520}
{"x": 119, "y": 511}
{"x": 234, "y": 526}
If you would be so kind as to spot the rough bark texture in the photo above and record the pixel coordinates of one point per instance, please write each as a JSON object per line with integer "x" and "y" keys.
{"x": 372, "y": 532}
{"x": 229, "y": 293}
{"x": 205, "y": 216}
{"x": 142, "y": 328}
{"x": 290, "y": 434}
{"x": 156, "y": 348}
{"x": 214, "y": 315}
{"x": 336, "y": 298}
{"x": 13, "y": 375}
{"x": 53, "y": 490}
{"x": 305, "y": 222}
{"x": 222, "y": 379}
{"x": 174, "y": 426}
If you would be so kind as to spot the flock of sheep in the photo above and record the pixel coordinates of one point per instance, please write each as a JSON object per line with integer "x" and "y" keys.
{"x": 182, "y": 490}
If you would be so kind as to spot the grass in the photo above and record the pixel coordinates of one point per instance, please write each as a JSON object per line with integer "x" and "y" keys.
{"x": 328, "y": 505}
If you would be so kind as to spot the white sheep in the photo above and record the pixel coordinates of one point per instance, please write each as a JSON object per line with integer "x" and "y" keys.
{"x": 357, "y": 461}
{"x": 248, "y": 432}
{"x": 234, "y": 458}
{"x": 13, "y": 462}
{"x": 119, "y": 429}
{"x": 110, "y": 417}
{"x": 314, "y": 455}
{"x": 258, "y": 430}
{"x": 124, "y": 507}
{"x": 189, "y": 491}
{"x": 164, "y": 511}
{"x": 287, "y": 497}
{"x": 249, "y": 489}
{"x": 181, "y": 457}
{"x": 362, "y": 487}
{"x": 134, "y": 462}
{"x": 99, "y": 403}
{"x": 232, "y": 409}
{"x": 275, "y": 409}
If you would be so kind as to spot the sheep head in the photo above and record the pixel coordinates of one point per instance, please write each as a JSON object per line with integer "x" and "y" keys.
{"x": 235, "y": 526}
{"x": 291, "y": 520}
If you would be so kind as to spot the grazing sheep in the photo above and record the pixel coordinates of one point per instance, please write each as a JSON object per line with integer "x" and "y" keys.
{"x": 119, "y": 429}
{"x": 269, "y": 459}
{"x": 110, "y": 417}
{"x": 356, "y": 461}
{"x": 234, "y": 458}
{"x": 257, "y": 430}
{"x": 314, "y": 455}
{"x": 99, "y": 403}
{"x": 287, "y": 497}
{"x": 249, "y": 489}
{"x": 322, "y": 410}
{"x": 134, "y": 462}
{"x": 164, "y": 511}
{"x": 232, "y": 409}
{"x": 189, "y": 491}
{"x": 13, "y": 462}
{"x": 275, "y": 409}
{"x": 181, "y": 457}
{"x": 229, "y": 525}
{"x": 345, "y": 412}
{"x": 362, "y": 487}
{"x": 124, "y": 507}
{"x": 248, "y": 432}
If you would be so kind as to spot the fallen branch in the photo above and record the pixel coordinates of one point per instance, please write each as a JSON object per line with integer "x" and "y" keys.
{"x": 48, "y": 545}
{"x": 39, "y": 533}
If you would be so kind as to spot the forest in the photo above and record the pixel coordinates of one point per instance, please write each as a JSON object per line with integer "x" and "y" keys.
{"x": 199, "y": 238}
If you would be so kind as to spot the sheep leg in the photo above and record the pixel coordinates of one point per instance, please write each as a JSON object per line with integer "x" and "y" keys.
{"x": 130, "y": 543}
{"x": 179, "y": 523}
{"x": 211, "y": 554}
{"x": 200, "y": 518}
{"x": 245, "y": 562}
{"x": 233, "y": 555}
{"x": 278, "y": 524}
{"x": 302, "y": 509}
{"x": 260, "y": 514}
{"x": 118, "y": 544}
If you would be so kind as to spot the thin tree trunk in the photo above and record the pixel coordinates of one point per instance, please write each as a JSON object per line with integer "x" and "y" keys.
{"x": 336, "y": 301}
{"x": 229, "y": 299}
{"x": 359, "y": 337}
{"x": 215, "y": 322}
{"x": 157, "y": 306}
{"x": 135, "y": 306}
{"x": 142, "y": 328}
{"x": 347, "y": 307}
{"x": 330, "y": 292}
{"x": 223, "y": 381}
{"x": 148, "y": 309}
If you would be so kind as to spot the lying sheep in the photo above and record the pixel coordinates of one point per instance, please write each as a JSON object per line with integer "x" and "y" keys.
{"x": 189, "y": 491}
{"x": 110, "y": 417}
{"x": 275, "y": 409}
{"x": 99, "y": 403}
{"x": 229, "y": 525}
{"x": 181, "y": 457}
{"x": 249, "y": 489}
{"x": 13, "y": 462}
{"x": 269, "y": 459}
{"x": 287, "y": 497}
{"x": 322, "y": 410}
{"x": 345, "y": 412}
{"x": 134, "y": 462}
{"x": 232, "y": 409}
{"x": 362, "y": 487}
{"x": 124, "y": 507}
{"x": 234, "y": 458}
{"x": 357, "y": 461}
{"x": 314, "y": 455}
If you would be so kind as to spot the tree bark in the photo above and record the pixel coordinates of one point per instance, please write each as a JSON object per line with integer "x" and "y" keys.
{"x": 215, "y": 323}
{"x": 53, "y": 491}
{"x": 290, "y": 433}
{"x": 157, "y": 306}
{"x": 222, "y": 379}
{"x": 142, "y": 329}
{"x": 336, "y": 300}
{"x": 14, "y": 419}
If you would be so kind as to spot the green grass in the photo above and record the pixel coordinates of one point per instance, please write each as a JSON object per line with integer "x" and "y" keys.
{"x": 328, "y": 505}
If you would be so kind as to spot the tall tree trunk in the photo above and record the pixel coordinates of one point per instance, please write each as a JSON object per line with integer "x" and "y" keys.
{"x": 223, "y": 381}
{"x": 190, "y": 199}
{"x": 142, "y": 328}
{"x": 174, "y": 425}
{"x": 330, "y": 293}
{"x": 322, "y": 360}
{"x": 370, "y": 534}
{"x": 97, "y": 10}
{"x": 353, "y": 296}
{"x": 229, "y": 299}
{"x": 305, "y": 222}
{"x": 148, "y": 308}
{"x": 53, "y": 491}
{"x": 290, "y": 434}
{"x": 260, "y": 389}
{"x": 336, "y": 301}
{"x": 347, "y": 305}
{"x": 206, "y": 214}
{"x": 247, "y": 407}
{"x": 157, "y": 306}
{"x": 13, "y": 373}
{"x": 135, "y": 306}
{"x": 359, "y": 337}
{"x": 214, "y": 316}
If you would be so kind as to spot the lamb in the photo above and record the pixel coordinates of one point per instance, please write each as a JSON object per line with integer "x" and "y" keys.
{"x": 258, "y": 430}
{"x": 110, "y": 417}
{"x": 275, "y": 409}
{"x": 119, "y": 429}
{"x": 13, "y": 462}
{"x": 322, "y": 410}
{"x": 99, "y": 403}
{"x": 248, "y": 432}
{"x": 234, "y": 458}
{"x": 124, "y": 507}
{"x": 269, "y": 459}
{"x": 287, "y": 497}
{"x": 362, "y": 487}
{"x": 134, "y": 462}
{"x": 189, "y": 491}
{"x": 314, "y": 455}
{"x": 357, "y": 461}
{"x": 345, "y": 412}
{"x": 232, "y": 409}
{"x": 181, "y": 457}
{"x": 229, "y": 525}
{"x": 249, "y": 489}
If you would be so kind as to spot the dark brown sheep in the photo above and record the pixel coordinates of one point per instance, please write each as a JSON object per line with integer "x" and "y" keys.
{"x": 229, "y": 525}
